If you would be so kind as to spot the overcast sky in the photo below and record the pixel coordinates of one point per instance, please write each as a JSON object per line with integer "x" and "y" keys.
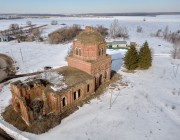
{"x": 88, "y": 6}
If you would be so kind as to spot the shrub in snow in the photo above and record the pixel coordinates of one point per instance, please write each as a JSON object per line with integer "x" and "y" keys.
{"x": 175, "y": 53}
{"x": 139, "y": 29}
{"x": 13, "y": 26}
{"x": 159, "y": 33}
{"x": 64, "y": 34}
{"x": 29, "y": 23}
{"x": 54, "y": 22}
{"x": 102, "y": 30}
{"x": 173, "y": 107}
{"x": 166, "y": 32}
{"x": 168, "y": 35}
{"x": 145, "y": 58}
{"x": 131, "y": 58}
{"x": 37, "y": 33}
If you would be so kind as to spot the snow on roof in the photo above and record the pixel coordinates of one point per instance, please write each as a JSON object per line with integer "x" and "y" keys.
{"x": 59, "y": 87}
{"x": 119, "y": 42}
{"x": 54, "y": 78}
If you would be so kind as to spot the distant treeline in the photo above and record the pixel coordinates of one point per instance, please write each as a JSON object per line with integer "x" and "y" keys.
{"x": 94, "y": 14}
{"x": 7, "y": 18}
{"x": 134, "y": 14}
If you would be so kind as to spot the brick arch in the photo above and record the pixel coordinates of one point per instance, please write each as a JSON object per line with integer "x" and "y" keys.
{"x": 102, "y": 51}
{"x": 105, "y": 75}
{"x": 80, "y": 52}
{"x": 76, "y": 51}
{"x": 64, "y": 101}
{"x": 100, "y": 79}
{"x": 99, "y": 52}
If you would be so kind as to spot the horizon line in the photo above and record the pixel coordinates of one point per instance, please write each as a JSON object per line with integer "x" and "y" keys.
{"x": 92, "y": 13}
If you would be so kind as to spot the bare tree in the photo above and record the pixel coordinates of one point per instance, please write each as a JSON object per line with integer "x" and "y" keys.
{"x": 176, "y": 50}
{"x": 158, "y": 33}
{"x": 102, "y": 30}
{"x": 70, "y": 52}
{"x": 124, "y": 32}
{"x": 37, "y": 33}
{"x": 118, "y": 31}
{"x": 13, "y": 26}
{"x": 166, "y": 32}
{"x": 114, "y": 28}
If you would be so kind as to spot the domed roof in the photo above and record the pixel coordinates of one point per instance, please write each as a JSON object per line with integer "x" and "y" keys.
{"x": 90, "y": 37}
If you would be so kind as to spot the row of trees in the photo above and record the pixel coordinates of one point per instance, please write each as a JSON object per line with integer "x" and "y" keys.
{"x": 16, "y": 26}
{"x": 142, "y": 60}
{"x": 64, "y": 34}
{"x": 25, "y": 35}
{"x": 173, "y": 37}
{"x": 102, "y": 30}
{"x": 170, "y": 36}
{"x": 34, "y": 35}
{"x": 176, "y": 50}
{"x": 68, "y": 33}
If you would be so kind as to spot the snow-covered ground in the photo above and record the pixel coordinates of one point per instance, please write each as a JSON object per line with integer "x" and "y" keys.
{"x": 149, "y": 108}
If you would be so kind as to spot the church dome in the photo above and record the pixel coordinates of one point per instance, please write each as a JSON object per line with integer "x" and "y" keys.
{"x": 90, "y": 37}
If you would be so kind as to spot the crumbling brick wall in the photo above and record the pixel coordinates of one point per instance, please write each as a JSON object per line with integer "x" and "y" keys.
{"x": 22, "y": 96}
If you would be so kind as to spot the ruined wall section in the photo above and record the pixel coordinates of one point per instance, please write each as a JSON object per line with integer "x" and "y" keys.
{"x": 22, "y": 96}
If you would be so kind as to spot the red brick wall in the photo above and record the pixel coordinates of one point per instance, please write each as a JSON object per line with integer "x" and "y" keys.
{"x": 79, "y": 64}
{"x": 69, "y": 95}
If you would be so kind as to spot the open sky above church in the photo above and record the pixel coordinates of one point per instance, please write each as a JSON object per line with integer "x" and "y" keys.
{"x": 88, "y": 6}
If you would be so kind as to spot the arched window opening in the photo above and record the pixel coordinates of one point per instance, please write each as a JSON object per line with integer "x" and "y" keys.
{"x": 74, "y": 95}
{"x": 88, "y": 88}
{"x": 102, "y": 51}
{"x": 64, "y": 102}
{"x": 76, "y": 51}
{"x": 95, "y": 81}
{"x": 79, "y": 93}
{"x": 99, "y": 52}
{"x": 79, "y": 52}
{"x": 100, "y": 79}
{"x": 105, "y": 75}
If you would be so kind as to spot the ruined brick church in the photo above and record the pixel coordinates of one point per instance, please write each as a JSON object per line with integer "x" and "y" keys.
{"x": 88, "y": 67}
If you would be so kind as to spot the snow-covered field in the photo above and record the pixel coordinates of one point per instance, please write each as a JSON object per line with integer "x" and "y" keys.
{"x": 149, "y": 108}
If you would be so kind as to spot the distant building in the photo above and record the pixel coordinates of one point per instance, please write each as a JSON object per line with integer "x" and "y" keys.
{"x": 118, "y": 45}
